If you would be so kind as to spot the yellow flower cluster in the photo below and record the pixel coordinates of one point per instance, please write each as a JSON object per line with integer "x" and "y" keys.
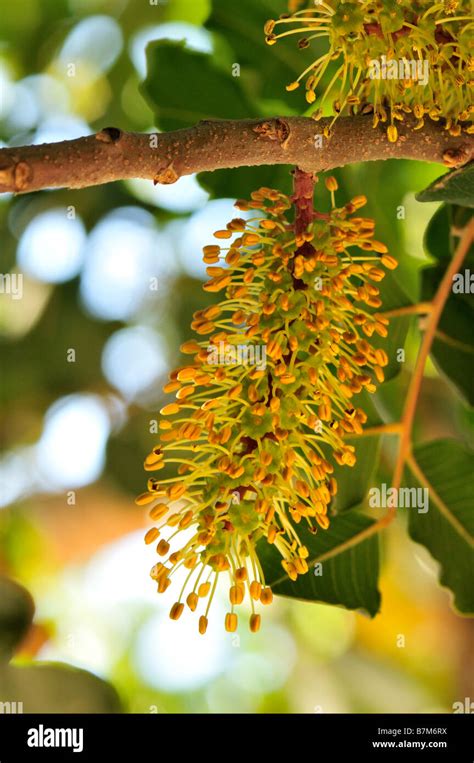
{"x": 391, "y": 58}
{"x": 248, "y": 441}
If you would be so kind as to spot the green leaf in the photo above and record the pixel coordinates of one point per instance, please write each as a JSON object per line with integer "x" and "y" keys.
{"x": 267, "y": 68}
{"x": 349, "y": 573}
{"x": 395, "y": 341}
{"x": 353, "y": 482}
{"x": 445, "y": 467}
{"x": 453, "y": 348}
{"x": 392, "y": 296}
{"x": 437, "y": 234}
{"x": 456, "y": 187}
{"x": 440, "y": 240}
{"x": 184, "y": 86}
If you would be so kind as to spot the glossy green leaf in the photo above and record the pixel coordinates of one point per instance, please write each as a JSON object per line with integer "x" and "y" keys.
{"x": 456, "y": 187}
{"x": 267, "y": 69}
{"x": 353, "y": 482}
{"x": 447, "y": 528}
{"x": 184, "y": 86}
{"x": 347, "y": 567}
{"x": 453, "y": 347}
{"x": 439, "y": 240}
{"x": 392, "y": 296}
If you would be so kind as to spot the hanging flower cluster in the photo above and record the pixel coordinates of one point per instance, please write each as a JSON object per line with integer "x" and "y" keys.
{"x": 393, "y": 58}
{"x": 268, "y": 389}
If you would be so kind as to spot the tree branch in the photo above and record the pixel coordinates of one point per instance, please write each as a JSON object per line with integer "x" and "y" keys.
{"x": 215, "y": 144}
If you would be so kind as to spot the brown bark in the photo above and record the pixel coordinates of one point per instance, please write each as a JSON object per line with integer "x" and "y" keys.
{"x": 116, "y": 155}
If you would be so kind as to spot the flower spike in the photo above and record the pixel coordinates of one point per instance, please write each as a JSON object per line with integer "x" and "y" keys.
{"x": 266, "y": 396}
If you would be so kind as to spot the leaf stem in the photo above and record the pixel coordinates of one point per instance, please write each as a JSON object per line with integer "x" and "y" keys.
{"x": 438, "y": 304}
{"x": 404, "y": 427}
{"x": 394, "y": 428}
{"x": 421, "y": 308}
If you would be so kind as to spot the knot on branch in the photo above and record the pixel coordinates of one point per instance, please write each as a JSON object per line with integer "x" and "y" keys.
{"x": 109, "y": 135}
{"x": 275, "y": 129}
{"x": 457, "y": 157}
{"x": 166, "y": 175}
{"x": 16, "y": 176}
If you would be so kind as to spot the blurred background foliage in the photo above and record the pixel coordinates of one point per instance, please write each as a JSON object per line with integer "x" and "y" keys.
{"x": 111, "y": 278}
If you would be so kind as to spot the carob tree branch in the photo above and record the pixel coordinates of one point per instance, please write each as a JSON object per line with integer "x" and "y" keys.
{"x": 113, "y": 154}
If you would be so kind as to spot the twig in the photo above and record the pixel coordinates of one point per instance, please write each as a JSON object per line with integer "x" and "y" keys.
{"x": 421, "y": 308}
{"x": 113, "y": 154}
{"x": 394, "y": 428}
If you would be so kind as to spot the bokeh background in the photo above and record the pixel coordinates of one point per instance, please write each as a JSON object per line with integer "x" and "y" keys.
{"x": 111, "y": 278}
